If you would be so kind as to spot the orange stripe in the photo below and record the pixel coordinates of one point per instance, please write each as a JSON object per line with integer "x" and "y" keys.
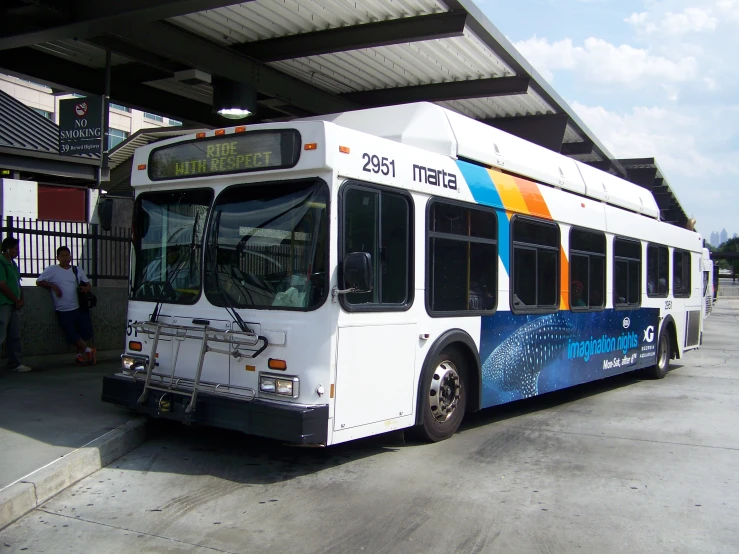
{"x": 564, "y": 300}
{"x": 533, "y": 198}
{"x": 509, "y": 192}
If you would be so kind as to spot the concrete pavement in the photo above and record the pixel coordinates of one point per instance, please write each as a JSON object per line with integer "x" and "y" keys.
{"x": 54, "y": 429}
{"x": 621, "y": 465}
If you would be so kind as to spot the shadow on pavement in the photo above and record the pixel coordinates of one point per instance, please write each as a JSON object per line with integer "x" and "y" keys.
{"x": 52, "y": 410}
{"x": 230, "y": 455}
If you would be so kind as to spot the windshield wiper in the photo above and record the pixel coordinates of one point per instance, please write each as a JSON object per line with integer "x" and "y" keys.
{"x": 226, "y": 300}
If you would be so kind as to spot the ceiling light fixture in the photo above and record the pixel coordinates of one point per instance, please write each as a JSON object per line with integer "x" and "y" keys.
{"x": 233, "y": 100}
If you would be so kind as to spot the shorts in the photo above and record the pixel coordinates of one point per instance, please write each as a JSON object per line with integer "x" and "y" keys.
{"x": 76, "y": 325}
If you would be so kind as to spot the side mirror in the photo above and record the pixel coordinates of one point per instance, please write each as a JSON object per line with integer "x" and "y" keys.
{"x": 358, "y": 272}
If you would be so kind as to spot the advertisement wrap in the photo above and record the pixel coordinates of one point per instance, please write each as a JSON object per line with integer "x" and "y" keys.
{"x": 526, "y": 355}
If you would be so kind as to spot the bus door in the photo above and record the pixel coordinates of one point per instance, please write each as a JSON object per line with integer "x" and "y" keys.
{"x": 377, "y": 337}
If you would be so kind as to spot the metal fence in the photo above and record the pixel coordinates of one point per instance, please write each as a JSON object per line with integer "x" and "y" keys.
{"x": 102, "y": 254}
{"x": 727, "y": 287}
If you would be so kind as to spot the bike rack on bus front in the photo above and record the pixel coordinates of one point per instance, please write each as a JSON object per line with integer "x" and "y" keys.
{"x": 240, "y": 341}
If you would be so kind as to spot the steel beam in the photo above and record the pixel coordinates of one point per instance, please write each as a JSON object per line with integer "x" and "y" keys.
{"x": 437, "y": 92}
{"x": 368, "y": 35}
{"x": 605, "y": 165}
{"x": 199, "y": 53}
{"x": 577, "y": 148}
{"x": 49, "y": 164}
{"x": 94, "y": 17}
{"x": 136, "y": 54}
{"x": 545, "y": 130}
{"x": 67, "y": 75}
{"x": 643, "y": 176}
{"x": 634, "y": 162}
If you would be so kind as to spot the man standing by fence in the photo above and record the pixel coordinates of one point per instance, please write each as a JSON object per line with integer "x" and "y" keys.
{"x": 11, "y": 301}
{"x": 63, "y": 280}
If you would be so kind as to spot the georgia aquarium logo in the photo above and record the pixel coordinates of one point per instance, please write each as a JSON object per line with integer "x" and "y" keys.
{"x": 626, "y": 323}
{"x": 649, "y": 334}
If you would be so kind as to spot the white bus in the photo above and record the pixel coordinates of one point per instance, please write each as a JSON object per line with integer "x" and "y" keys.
{"x": 708, "y": 280}
{"x": 327, "y": 279}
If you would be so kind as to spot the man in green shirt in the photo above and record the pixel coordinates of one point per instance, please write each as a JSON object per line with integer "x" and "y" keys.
{"x": 11, "y": 301}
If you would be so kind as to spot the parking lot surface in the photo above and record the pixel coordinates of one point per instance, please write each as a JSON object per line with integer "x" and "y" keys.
{"x": 621, "y": 465}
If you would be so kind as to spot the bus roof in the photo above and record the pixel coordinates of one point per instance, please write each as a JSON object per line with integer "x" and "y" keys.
{"x": 436, "y": 129}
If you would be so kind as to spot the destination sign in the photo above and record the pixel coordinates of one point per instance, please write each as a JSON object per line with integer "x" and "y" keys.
{"x": 236, "y": 153}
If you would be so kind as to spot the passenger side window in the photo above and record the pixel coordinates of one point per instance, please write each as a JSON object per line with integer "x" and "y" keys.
{"x": 658, "y": 272}
{"x": 379, "y": 223}
{"x": 535, "y": 268}
{"x": 681, "y": 273}
{"x": 587, "y": 270}
{"x": 461, "y": 276}
{"x": 626, "y": 273}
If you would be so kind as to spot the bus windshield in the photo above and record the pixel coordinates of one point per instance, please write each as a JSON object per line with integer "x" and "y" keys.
{"x": 268, "y": 246}
{"x": 167, "y": 242}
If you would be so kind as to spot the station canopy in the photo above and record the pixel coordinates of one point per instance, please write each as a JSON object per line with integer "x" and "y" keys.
{"x": 303, "y": 58}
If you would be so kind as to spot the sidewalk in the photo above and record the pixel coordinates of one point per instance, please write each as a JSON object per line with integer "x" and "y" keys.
{"x": 51, "y": 412}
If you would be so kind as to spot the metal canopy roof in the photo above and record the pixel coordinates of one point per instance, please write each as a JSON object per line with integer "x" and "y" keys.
{"x": 646, "y": 173}
{"x": 304, "y": 58}
{"x": 124, "y": 150}
{"x": 121, "y": 157}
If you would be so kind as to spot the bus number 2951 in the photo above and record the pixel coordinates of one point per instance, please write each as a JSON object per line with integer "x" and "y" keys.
{"x": 376, "y": 164}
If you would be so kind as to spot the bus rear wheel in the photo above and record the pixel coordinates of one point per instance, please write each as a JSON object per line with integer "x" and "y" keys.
{"x": 659, "y": 370}
{"x": 444, "y": 397}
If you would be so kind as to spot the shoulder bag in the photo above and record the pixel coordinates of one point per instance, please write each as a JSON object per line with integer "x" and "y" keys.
{"x": 86, "y": 300}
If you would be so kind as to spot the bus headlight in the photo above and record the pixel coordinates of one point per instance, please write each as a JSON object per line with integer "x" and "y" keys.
{"x": 283, "y": 385}
{"x": 134, "y": 364}
{"x": 267, "y": 384}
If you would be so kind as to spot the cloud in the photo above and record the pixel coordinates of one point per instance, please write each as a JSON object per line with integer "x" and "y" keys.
{"x": 729, "y": 9}
{"x": 675, "y": 137}
{"x": 690, "y": 20}
{"x": 702, "y": 175}
{"x": 599, "y": 61}
{"x": 658, "y": 80}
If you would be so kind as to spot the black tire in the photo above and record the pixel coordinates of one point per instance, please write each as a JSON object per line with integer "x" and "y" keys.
{"x": 664, "y": 353}
{"x": 445, "y": 380}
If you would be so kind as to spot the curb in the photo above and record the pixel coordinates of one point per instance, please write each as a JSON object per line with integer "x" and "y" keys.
{"x": 33, "y": 490}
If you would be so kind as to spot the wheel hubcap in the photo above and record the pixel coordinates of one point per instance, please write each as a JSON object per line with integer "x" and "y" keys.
{"x": 444, "y": 391}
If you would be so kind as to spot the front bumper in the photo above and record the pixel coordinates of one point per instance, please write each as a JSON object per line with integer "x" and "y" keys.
{"x": 296, "y": 424}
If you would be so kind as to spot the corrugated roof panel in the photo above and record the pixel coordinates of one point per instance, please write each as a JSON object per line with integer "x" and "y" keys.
{"x": 263, "y": 19}
{"x": 500, "y": 106}
{"x": 79, "y": 52}
{"x": 21, "y": 127}
{"x": 399, "y": 65}
{"x": 571, "y": 135}
{"x": 124, "y": 151}
{"x": 408, "y": 64}
{"x": 315, "y": 74}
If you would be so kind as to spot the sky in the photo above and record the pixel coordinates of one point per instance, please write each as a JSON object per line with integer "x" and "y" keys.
{"x": 649, "y": 78}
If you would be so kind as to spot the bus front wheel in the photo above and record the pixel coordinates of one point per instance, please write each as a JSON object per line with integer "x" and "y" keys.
{"x": 659, "y": 370}
{"x": 444, "y": 397}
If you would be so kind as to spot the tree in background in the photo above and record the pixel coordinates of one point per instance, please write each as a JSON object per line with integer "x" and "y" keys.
{"x": 731, "y": 245}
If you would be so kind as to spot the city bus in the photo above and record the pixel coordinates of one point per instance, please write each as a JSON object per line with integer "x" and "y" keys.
{"x": 332, "y": 278}
{"x": 708, "y": 283}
